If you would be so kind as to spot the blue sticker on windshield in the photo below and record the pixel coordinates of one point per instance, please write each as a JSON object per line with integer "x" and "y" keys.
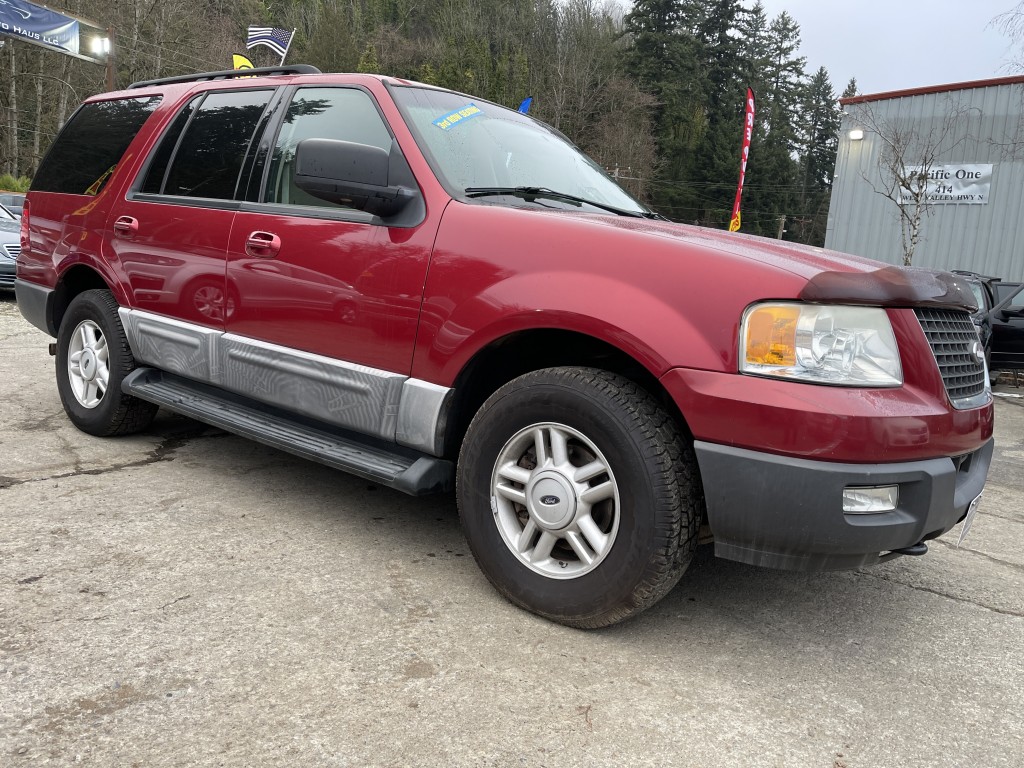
{"x": 459, "y": 115}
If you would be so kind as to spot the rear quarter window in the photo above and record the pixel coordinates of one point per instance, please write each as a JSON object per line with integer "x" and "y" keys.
{"x": 91, "y": 145}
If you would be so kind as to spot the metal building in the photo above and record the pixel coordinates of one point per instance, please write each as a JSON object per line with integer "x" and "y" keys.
{"x": 962, "y": 148}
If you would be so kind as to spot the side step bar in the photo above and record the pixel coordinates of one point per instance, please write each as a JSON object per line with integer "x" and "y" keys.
{"x": 404, "y": 470}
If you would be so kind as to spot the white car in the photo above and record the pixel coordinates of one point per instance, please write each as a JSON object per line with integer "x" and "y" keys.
{"x": 10, "y": 246}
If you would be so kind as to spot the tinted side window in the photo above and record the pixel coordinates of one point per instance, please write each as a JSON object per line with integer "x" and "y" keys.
{"x": 1017, "y": 302}
{"x": 210, "y": 153}
{"x": 89, "y": 148}
{"x": 323, "y": 113}
{"x": 157, "y": 172}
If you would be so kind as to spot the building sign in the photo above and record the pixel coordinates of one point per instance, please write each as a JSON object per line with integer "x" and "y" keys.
{"x": 41, "y": 26}
{"x": 963, "y": 183}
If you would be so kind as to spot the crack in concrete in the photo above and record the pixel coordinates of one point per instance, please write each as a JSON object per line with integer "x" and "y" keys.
{"x": 929, "y": 590}
{"x": 162, "y": 452}
{"x": 1003, "y": 517}
{"x": 175, "y": 600}
{"x": 1007, "y": 563}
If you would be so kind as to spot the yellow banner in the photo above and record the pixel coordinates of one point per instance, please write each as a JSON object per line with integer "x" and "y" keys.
{"x": 240, "y": 62}
{"x": 734, "y": 225}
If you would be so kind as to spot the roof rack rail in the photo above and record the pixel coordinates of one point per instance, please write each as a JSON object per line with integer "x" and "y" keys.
{"x": 229, "y": 74}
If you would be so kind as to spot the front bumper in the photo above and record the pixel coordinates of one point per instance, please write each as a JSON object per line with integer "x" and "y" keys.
{"x": 7, "y": 270}
{"x": 787, "y": 513}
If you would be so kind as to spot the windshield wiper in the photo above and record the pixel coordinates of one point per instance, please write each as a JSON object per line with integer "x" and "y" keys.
{"x": 532, "y": 193}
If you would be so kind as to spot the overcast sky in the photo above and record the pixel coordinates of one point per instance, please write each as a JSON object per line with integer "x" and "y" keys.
{"x": 890, "y": 45}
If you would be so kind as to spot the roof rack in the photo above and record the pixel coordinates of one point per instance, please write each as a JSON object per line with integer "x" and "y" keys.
{"x": 229, "y": 74}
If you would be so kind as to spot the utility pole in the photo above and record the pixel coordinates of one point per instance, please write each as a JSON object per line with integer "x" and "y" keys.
{"x": 110, "y": 59}
{"x": 782, "y": 227}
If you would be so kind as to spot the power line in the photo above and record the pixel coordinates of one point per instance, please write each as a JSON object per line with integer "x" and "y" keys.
{"x": 181, "y": 54}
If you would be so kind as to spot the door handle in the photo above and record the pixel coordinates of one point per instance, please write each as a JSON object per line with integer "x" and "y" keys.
{"x": 262, "y": 245}
{"x": 126, "y": 227}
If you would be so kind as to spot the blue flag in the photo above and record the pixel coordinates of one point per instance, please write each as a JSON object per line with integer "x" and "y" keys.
{"x": 275, "y": 38}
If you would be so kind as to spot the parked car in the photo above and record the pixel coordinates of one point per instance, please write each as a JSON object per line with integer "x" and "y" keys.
{"x": 13, "y": 202}
{"x": 10, "y": 246}
{"x": 597, "y": 383}
{"x": 1007, "y": 319}
{"x": 982, "y": 288}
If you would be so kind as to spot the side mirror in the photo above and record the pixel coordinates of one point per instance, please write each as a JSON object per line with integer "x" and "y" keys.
{"x": 347, "y": 173}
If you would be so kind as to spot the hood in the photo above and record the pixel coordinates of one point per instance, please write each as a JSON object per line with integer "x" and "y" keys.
{"x": 10, "y": 231}
{"x": 831, "y": 276}
{"x": 803, "y": 260}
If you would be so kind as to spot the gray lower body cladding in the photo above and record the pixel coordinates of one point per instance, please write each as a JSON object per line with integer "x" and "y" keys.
{"x": 383, "y": 404}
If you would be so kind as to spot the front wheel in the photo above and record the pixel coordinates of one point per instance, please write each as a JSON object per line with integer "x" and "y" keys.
{"x": 93, "y": 357}
{"x": 578, "y": 496}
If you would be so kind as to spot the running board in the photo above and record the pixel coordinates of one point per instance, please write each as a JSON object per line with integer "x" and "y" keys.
{"x": 407, "y": 471}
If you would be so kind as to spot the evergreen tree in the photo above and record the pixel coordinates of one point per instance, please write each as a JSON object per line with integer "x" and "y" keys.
{"x": 819, "y": 133}
{"x": 773, "y": 173}
{"x": 819, "y": 138}
{"x": 662, "y": 56}
{"x": 718, "y": 156}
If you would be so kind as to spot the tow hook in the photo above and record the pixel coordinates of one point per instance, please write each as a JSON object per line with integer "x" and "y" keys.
{"x": 915, "y": 551}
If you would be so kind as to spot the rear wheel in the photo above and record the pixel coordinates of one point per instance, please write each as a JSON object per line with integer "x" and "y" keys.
{"x": 578, "y": 496}
{"x": 93, "y": 357}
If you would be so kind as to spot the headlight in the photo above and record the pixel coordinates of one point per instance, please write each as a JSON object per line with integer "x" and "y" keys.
{"x": 843, "y": 346}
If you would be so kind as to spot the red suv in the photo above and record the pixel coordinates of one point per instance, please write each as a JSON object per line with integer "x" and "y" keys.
{"x": 429, "y": 290}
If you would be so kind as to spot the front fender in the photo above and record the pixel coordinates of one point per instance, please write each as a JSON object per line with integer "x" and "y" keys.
{"x": 668, "y": 296}
{"x": 640, "y": 324}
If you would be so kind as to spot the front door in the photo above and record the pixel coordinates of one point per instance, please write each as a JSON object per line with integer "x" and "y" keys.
{"x": 322, "y": 278}
{"x": 1008, "y": 332}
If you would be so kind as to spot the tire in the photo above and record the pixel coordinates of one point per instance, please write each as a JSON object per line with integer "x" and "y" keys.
{"x": 617, "y": 488}
{"x": 93, "y": 357}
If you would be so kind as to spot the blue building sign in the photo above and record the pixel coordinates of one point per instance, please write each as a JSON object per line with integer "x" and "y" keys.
{"x": 34, "y": 24}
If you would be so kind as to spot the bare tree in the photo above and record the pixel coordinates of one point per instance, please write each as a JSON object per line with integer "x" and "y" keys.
{"x": 625, "y": 147}
{"x": 1011, "y": 24}
{"x": 910, "y": 149}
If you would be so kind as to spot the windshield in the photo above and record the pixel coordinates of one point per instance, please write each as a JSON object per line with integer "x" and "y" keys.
{"x": 979, "y": 294}
{"x": 6, "y": 215}
{"x": 473, "y": 144}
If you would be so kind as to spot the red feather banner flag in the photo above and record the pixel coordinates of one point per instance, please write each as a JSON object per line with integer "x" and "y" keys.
{"x": 748, "y": 132}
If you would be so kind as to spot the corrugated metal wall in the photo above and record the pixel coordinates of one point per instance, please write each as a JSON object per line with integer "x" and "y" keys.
{"x": 985, "y": 238}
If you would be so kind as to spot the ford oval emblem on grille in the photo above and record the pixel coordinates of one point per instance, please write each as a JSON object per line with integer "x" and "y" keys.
{"x": 549, "y": 500}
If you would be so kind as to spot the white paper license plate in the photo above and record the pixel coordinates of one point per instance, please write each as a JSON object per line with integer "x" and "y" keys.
{"x": 971, "y": 512}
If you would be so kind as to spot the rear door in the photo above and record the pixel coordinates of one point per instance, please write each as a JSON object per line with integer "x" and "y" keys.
{"x": 170, "y": 234}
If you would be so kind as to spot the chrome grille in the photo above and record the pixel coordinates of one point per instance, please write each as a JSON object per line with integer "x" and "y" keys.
{"x": 954, "y": 342}
{"x": 13, "y": 251}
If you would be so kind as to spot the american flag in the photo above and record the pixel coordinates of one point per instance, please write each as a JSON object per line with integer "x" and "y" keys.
{"x": 275, "y": 38}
